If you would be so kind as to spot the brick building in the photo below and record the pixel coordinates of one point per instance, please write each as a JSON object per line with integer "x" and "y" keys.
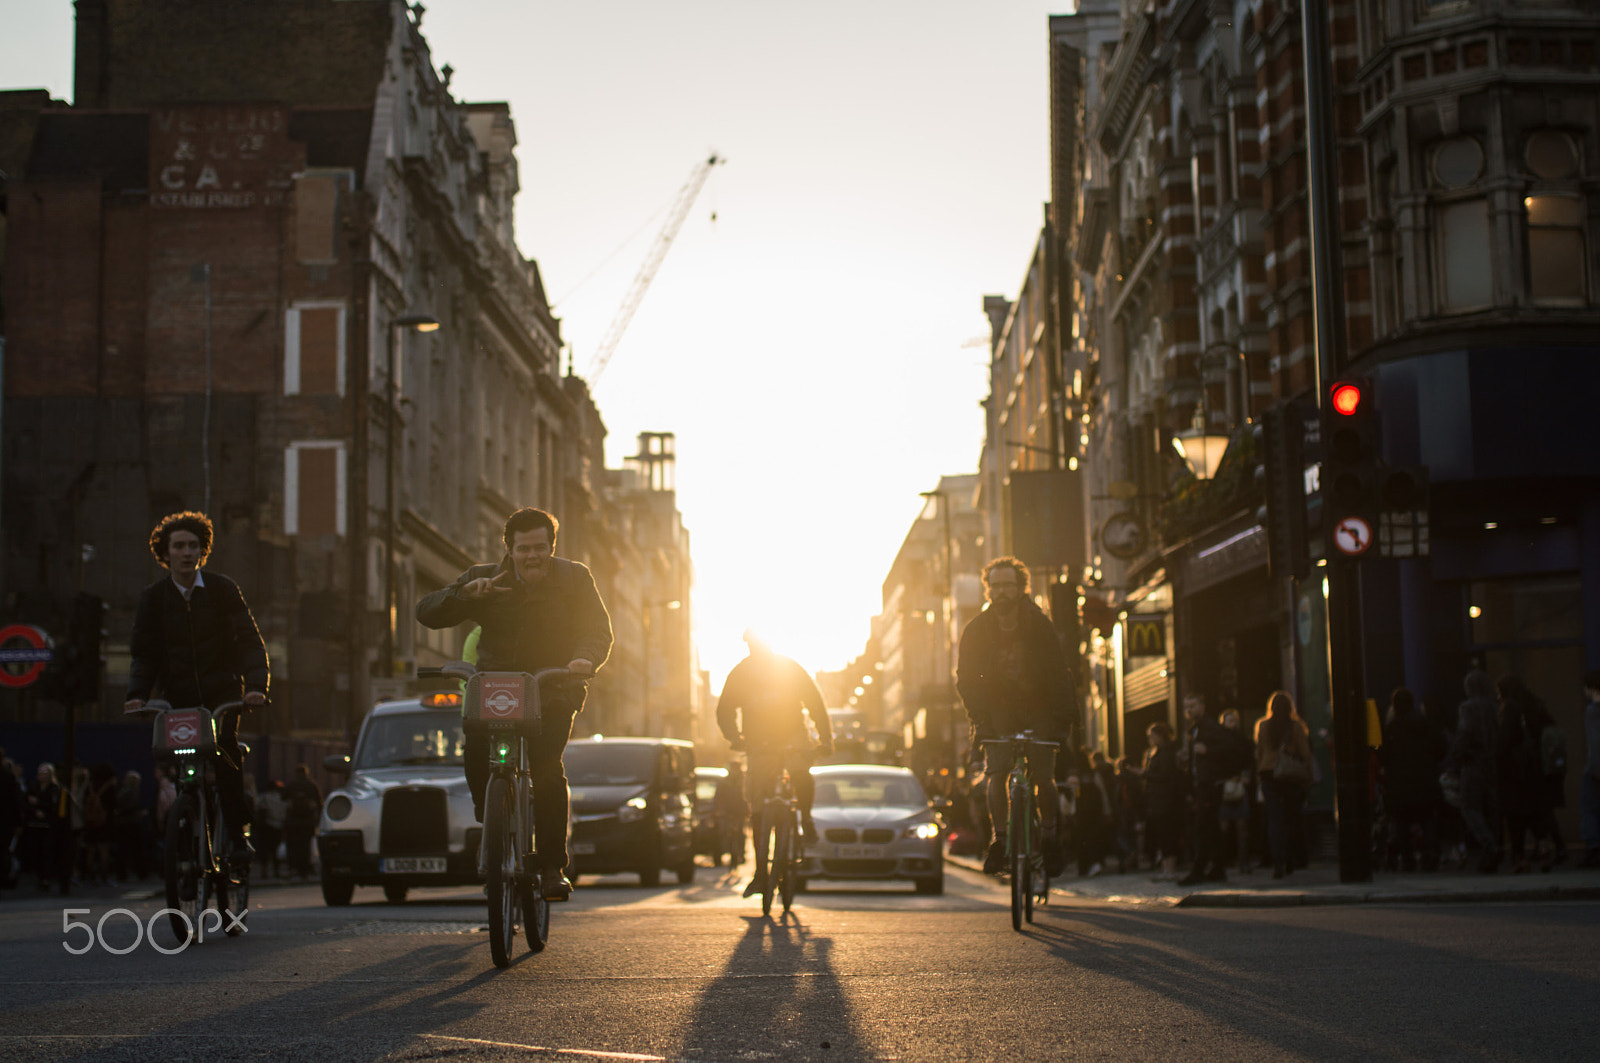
{"x": 209, "y": 263}
{"x": 1466, "y": 149}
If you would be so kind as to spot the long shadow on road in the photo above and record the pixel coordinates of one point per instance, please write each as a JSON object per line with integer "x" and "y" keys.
{"x": 778, "y": 997}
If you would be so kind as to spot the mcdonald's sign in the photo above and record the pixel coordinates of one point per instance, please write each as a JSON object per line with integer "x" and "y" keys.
{"x": 1147, "y": 635}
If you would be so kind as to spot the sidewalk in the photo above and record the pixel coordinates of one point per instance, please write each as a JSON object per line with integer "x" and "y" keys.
{"x": 28, "y": 895}
{"x": 1320, "y": 885}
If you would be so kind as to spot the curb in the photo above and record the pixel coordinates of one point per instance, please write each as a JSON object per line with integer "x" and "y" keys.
{"x": 1313, "y": 898}
{"x": 1446, "y": 896}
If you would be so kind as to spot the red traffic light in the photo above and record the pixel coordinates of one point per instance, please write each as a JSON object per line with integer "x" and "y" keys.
{"x": 1347, "y": 398}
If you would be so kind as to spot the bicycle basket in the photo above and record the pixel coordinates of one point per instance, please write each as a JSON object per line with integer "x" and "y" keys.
{"x": 184, "y": 731}
{"x": 501, "y": 701}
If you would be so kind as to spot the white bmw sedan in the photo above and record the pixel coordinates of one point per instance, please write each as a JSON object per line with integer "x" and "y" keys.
{"x": 874, "y": 822}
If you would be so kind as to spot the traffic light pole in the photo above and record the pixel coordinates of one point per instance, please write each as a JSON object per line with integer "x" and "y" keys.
{"x": 1353, "y": 806}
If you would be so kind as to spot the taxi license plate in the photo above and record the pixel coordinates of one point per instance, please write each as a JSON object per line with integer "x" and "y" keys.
{"x": 412, "y": 865}
{"x": 860, "y": 852}
{"x": 583, "y": 848}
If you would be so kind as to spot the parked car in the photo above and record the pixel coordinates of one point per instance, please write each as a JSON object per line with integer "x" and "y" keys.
{"x": 874, "y": 822}
{"x": 404, "y": 816}
{"x": 706, "y": 839}
{"x": 632, "y": 807}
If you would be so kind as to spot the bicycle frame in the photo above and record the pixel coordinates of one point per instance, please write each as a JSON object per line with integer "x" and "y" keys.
{"x": 1024, "y": 852}
{"x": 779, "y": 841}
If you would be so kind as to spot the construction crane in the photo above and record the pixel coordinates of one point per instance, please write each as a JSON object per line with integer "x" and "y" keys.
{"x": 652, "y": 262}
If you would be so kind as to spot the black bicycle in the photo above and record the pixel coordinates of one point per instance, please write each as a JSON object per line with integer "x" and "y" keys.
{"x": 200, "y": 871}
{"x": 1024, "y": 833}
{"x": 779, "y": 839}
{"x": 506, "y": 707}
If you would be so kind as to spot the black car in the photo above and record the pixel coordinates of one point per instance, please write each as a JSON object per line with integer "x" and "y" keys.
{"x": 707, "y": 831}
{"x": 632, "y": 807}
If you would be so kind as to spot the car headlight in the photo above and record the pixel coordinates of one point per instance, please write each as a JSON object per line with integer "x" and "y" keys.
{"x": 923, "y": 830}
{"x": 632, "y": 809}
{"x": 338, "y": 807}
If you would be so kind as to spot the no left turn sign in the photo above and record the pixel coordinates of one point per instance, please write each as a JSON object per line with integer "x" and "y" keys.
{"x": 24, "y": 652}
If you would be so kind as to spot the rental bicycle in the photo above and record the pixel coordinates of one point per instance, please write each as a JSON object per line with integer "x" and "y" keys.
{"x": 198, "y": 864}
{"x": 1024, "y": 848}
{"x": 506, "y": 707}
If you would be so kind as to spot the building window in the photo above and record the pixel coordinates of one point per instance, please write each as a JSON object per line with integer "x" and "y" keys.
{"x": 314, "y": 349}
{"x": 316, "y": 218}
{"x": 1465, "y": 255}
{"x": 314, "y": 488}
{"x": 1556, "y": 274}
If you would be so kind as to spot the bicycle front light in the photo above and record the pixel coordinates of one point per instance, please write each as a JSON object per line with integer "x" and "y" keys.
{"x": 500, "y": 751}
{"x": 923, "y": 830}
{"x": 632, "y": 809}
{"x": 189, "y": 769}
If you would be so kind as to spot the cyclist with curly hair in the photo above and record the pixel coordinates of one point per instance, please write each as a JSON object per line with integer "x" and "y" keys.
{"x": 195, "y": 642}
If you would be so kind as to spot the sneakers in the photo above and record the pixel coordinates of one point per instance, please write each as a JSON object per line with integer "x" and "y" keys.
{"x": 995, "y": 862}
{"x": 758, "y": 884}
{"x": 556, "y": 886}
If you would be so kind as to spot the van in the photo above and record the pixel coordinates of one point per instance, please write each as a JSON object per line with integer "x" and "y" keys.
{"x": 632, "y": 807}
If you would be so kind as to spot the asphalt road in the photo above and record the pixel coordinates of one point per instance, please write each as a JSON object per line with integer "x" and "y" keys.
{"x": 694, "y": 973}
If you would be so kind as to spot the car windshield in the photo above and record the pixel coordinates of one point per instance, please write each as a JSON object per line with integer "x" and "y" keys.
{"x": 411, "y": 738}
{"x": 602, "y": 764}
{"x": 841, "y": 790}
{"x": 705, "y": 787}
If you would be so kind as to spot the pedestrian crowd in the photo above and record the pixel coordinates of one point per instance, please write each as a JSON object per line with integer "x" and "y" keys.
{"x": 1223, "y": 796}
{"x": 99, "y": 830}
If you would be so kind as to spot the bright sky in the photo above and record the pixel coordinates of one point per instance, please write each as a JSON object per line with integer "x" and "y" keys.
{"x": 887, "y": 167}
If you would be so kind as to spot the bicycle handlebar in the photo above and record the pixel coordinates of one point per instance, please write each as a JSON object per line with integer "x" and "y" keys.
{"x": 155, "y": 705}
{"x": 1025, "y": 737}
{"x": 466, "y": 670}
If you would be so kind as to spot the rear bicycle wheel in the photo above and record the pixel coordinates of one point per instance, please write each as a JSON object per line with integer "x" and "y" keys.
{"x": 181, "y": 866}
{"x": 1017, "y": 855}
{"x": 500, "y": 856}
{"x": 789, "y": 857}
{"x": 767, "y": 850}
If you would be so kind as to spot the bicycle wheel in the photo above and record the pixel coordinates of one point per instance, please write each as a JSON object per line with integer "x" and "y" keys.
{"x": 181, "y": 866}
{"x": 500, "y": 856}
{"x": 789, "y": 857}
{"x": 768, "y": 848}
{"x": 1017, "y": 844}
{"x": 535, "y": 915}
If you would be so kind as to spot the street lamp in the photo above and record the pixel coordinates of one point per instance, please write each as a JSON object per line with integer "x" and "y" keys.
{"x": 421, "y": 323}
{"x": 672, "y": 604}
{"x": 949, "y": 603}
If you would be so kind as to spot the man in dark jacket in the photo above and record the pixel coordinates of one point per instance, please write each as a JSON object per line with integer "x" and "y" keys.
{"x": 1215, "y": 752}
{"x": 1012, "y": 675}
{"x": 537, "y": 611}
{"x": 1412, "y": 753}
{"x": 1472, "y": 758}
{"x": 762, "y": 710}
{"x": 195, "y": 643}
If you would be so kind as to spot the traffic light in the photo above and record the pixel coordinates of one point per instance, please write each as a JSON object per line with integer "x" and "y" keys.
{"x": 1281, "y": 440}
{"x": 86, "y": 636}
{"x": 1350, "y": 468}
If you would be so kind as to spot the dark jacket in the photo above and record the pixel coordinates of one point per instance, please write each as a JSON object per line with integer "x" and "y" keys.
{"x": 1412, "y": 754}
{"x": 1477, "y": 726}
{"x": 543, "y": 625}
{"x": 762, "y": 701}
{"x": 1044, "y": 700}
{"x": 205, "y": 650}
{"x": 1164, "y": 784}
{"x": 1227, "y": 753}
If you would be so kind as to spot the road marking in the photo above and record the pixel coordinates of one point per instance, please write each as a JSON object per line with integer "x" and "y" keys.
{"x": 596, "y": 1053}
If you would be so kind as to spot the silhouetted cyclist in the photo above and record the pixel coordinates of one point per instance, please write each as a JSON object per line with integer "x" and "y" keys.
{"x": 762, "y": 712}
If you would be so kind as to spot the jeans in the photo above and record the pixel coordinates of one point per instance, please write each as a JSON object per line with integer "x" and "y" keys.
{"x": 1478, "y": 808}
{"x": 1283, "y": 802}
{"x": 551, "y": 799}
{"x": 1207, "y": 828}
{"x": 1589, "y": 795}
